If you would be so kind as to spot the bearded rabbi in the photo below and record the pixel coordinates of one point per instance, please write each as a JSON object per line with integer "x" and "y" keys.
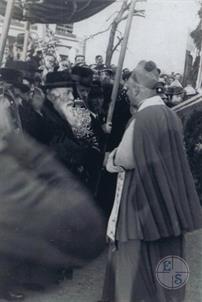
{"x": 48, "y": 220}
{"x": 156, "y": 202}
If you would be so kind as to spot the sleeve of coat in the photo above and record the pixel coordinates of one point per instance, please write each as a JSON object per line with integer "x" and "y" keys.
{"x": 124, "y": 154}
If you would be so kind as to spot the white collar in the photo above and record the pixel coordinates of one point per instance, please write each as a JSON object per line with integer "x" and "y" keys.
{"x": 155, "y": 100}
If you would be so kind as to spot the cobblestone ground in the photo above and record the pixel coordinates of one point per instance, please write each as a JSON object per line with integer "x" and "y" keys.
{"x": 87, "y": 283}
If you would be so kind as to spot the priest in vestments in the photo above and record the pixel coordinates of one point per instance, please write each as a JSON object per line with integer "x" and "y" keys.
{"x": 156, "y": 202}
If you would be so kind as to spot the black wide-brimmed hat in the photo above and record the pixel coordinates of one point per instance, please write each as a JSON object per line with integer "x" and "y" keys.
{"x": 28, "y": 68}
{"x": 14, "y": 77}
{"x": 83, "y": 75}
{"x": 107, "y": 71}
{"x": 58, "y": 79}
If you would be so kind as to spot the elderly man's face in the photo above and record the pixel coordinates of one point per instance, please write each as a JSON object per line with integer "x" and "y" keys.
{"x": 133, "y": 90}
{"x": 62, "y": 96}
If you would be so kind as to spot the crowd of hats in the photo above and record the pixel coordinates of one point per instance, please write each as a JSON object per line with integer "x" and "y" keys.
{"x": 20, "y": 74}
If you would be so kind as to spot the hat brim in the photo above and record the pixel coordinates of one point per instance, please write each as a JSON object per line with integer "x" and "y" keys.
{"x": 84, "y": 81}
{"x": 58, "y": 85}
{"x": 9, "y": 74}
{"x": 24, "y": 88}
{"x": 88, "y": 85}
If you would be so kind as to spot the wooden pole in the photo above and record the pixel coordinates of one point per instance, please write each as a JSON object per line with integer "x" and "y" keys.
{"x": 120, "y": 67}
{"x": 199, "y": 77}
{"x": 116, "y": 88}
{"x": 84, "y": 46}
{"x": 6, "y": 26}
{"x": 26, "y": 40}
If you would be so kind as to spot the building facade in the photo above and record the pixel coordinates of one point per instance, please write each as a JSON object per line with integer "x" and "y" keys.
{"x": 68, "y": 45}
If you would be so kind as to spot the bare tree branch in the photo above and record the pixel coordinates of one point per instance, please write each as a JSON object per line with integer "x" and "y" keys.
{"x": 123, "y": 9}
{"x": 121, "y": 15}
{"x": 116, "y": 12}
{"x": 117, "y": 44}
{"x": 98, "y": 33}
{"x": 119, "y": 18}
{"x": 137, "y": 13}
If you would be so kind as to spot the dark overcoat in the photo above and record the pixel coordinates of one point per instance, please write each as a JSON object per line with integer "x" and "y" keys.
{"x": 59, "y": 137}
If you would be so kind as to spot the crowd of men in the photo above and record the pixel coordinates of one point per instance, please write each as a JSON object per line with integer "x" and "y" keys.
{"x": 65, "y": 107}
{"x": 63, "y": 110}
{"x": 66, "y": 110}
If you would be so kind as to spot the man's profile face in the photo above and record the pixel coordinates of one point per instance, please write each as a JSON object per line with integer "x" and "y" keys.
{"x": 83, "y": 92}
{"x": 133, "y": 90}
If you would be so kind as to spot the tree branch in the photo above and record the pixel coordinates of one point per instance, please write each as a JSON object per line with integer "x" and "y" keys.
{"x": 117, "y": 44}
{"x": 136, "y": 14}
{"x": 123, "y": 9}
{"x": 98, "y": 33}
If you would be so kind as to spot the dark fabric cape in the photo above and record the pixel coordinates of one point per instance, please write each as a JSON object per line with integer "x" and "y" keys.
{"x": 159, "y": 199}
{"x": 47, "y": 216}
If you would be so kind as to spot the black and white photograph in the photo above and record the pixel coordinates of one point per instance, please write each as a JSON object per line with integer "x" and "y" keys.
{"x": 101, "y": 150}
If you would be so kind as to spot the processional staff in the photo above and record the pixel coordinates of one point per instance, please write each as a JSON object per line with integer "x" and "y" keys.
{"x": 108, "y": 127}
{"x": 120, "y": 67}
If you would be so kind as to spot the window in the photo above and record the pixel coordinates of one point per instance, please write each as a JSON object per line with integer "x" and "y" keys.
{"x": 64, "y": 29}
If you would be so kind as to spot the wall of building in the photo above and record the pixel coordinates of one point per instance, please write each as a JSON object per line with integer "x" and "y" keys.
{"x": 68, "y": 44}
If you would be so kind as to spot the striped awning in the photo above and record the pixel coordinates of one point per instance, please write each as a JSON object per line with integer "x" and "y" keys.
{"x": 56, "y": 11}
